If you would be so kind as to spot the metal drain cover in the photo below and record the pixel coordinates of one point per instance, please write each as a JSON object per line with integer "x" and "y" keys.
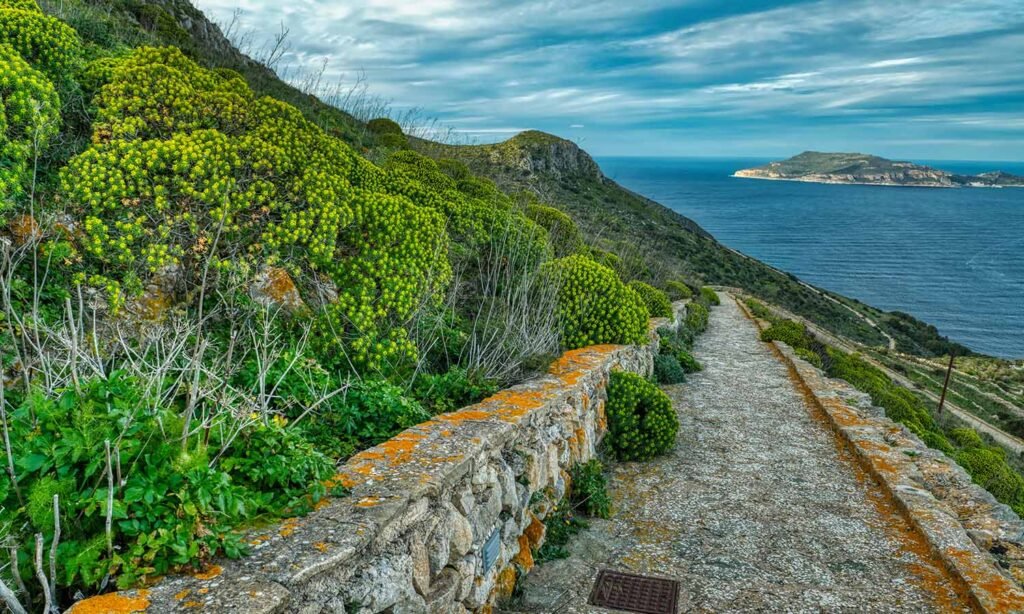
{"x": 632, "y": 593}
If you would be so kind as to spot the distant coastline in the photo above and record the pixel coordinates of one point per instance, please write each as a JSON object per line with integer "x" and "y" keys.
{"x": 741, "y": 174}
{"x": 864, "y": 169}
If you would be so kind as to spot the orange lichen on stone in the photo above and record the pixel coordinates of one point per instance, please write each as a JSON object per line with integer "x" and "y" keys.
{"x": 465, "y": 415}
{"x": 259, "y": 539}
{"x": 517, "y": 404}
{"x": 524, "y": 559}
{"x": 153, "y": 305}
{"x": 274, "y": 285}
{"x": 506, "y": 582}
{"x": 535, "y": 531}
{"x": 203, "y": 591}
{"x": 995, "y": 592}
{"x": 209, "y": 573}
{"x": 574, "y": 364}
{"x": 112, "y": 603}
{"x": 288, "y": 527}
{"x": 369, "y": 501}
{"x": 24, "y": 228}
{"x": 321, "y": 546}
{"x": 396, "y": 451}
{"x": 192, "y": 604}
{"x": 183, "y": 594}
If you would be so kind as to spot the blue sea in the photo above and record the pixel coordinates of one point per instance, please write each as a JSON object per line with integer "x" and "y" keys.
{"x": 951, "y": 257}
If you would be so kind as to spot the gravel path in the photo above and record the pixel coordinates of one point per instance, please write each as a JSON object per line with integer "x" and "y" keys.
{"x": 757, "y": 508}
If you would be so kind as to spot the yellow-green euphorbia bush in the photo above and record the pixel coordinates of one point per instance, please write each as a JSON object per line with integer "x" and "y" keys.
{"x": 594, "y": 306}
{"x": 29, "y": 119}
{"x": 566, "y": 238}
{"x": 657, "y": 301}
{"x": 397, "y": 256}
{"x": 188, "y": 165}
{"x": 158, "y": 92}
{"x": 478, "y": 225}
{"x": 45, "y": 42}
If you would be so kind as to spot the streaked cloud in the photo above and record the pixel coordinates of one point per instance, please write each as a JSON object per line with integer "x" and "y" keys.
{"x": 681, "y": 77}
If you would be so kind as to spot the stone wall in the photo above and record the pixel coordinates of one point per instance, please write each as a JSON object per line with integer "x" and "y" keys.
{"x": 441, "y": 519}
{"x": 979, "y": 540}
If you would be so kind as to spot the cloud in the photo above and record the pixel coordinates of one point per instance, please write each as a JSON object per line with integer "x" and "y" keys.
{"x": 710, "y": 69}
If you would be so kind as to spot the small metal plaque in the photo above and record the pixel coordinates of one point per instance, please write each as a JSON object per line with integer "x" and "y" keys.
{"x": 492, "y": 547}
{"x": 632, "y": 593}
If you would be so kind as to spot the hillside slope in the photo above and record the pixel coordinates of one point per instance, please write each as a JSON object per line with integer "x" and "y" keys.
{"x": 662, "y": 242}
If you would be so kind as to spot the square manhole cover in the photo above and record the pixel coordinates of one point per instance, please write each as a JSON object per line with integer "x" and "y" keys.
{"x": 632, "y": 593}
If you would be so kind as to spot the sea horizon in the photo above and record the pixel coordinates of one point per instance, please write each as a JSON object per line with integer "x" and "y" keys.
{"x": 909, "y": 249}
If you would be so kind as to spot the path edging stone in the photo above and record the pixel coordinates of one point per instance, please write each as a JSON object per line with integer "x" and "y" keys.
{"x": 937, "y": 496}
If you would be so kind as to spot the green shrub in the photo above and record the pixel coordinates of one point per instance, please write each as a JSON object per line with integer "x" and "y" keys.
{"x": 452, "y": 390}
{"x": 676, "y": 342}
{"x": 565, "y": 237}
{"x": 709, "y": 296}
{"x": 641, "y": 421}
{"x": 383, "y": 125}
{"x": 657, "y": 301}
{"x": 393, "y": 141}
{"x": 760, "y": 311}
{"x": 606, "y": 258}
{"x": 688, "y": 362}
{"x": 989, "y": 469}
{"x": 189, "y": 166}
{"x": 696, "y": 317}
{"x": 939, "y": 442}
{"x": 29, "y": 120}
{"x": 793, "y": 334}
{"x": 810, "y": 356}
{"x": 590, "y": 489}
{"x": 45, "y": 42}
{"x": 965, "y": 437}
{"x": 667, "y": 370}
{"x": 678, "y": 290}
{"x": 454, "y": 169}
{"x": 594, "y": 306}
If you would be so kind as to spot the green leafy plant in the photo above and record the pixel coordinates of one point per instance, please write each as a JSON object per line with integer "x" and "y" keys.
{"x": 370, "y": 412}
{"x": 590, "y": 489}
{"x": 452, "y": 390}
{"x": 688, "y": 363}
{"x": 641, "y": 421}
{"x": 560, "y": 526}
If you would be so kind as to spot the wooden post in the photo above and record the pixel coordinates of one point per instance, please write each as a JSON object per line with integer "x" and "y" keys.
{"x": 945, "y": 385}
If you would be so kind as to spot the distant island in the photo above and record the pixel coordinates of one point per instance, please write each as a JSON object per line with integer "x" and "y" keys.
{"x": 865, "y": 169}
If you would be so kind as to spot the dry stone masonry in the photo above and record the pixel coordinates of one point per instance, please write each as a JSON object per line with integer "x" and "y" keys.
{"x": 441, "y": 518}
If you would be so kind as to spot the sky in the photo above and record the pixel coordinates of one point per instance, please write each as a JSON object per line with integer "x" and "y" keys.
{"x": 914, "y": 79}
